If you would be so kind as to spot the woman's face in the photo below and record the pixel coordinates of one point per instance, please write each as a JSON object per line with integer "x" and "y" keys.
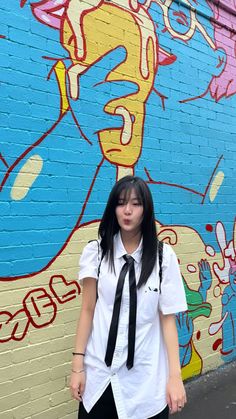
{"x": 129, "y": 212}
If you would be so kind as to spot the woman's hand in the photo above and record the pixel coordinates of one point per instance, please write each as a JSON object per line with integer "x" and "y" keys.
{"x": 176, "y": 395}
{"x": 77, "y": 384}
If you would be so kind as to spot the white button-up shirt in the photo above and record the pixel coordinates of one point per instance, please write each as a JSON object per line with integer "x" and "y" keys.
{"x": 140, "y": 392}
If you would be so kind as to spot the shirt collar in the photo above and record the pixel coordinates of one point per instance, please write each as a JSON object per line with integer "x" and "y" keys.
{"x": 119, "y": 249}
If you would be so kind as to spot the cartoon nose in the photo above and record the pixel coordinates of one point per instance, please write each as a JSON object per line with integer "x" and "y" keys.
{"x": 128, "y": 119}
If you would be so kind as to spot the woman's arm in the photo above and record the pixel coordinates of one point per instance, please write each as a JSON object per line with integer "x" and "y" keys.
{"x": 77, "y": 381}
{"x": 176, "y": 395}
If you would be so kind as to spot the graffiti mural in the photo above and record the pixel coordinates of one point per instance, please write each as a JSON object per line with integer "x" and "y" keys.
{"x": 91, "y": 91}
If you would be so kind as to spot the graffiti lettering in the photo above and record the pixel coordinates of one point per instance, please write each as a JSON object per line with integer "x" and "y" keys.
{"x": 39, "y": 308}
{"x": 13, "y": 326}
{"x": 64, "y": 291}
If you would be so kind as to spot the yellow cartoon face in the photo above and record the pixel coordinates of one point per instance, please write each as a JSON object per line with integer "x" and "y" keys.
{"x": 90, "y": 35}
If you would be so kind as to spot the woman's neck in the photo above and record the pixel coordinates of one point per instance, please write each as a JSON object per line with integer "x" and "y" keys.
{"x": 130, "y": 240}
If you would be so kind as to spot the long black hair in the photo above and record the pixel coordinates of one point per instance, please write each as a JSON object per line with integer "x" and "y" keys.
{"x": 109, "y": 225}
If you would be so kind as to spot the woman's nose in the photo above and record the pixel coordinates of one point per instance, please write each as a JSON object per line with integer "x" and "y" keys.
{"x": 128, "y": 208}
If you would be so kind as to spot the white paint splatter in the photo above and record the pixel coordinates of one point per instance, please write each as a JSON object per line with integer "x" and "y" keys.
{"x": 215, "y": 327}
{"x": 210, "y": 251}
{"x": 191, "y": 268}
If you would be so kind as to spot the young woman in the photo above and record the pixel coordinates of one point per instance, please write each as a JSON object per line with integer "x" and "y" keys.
{"x": 126, "y": 360}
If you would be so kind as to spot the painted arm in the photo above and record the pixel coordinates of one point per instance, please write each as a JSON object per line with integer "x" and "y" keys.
{"x": 175, "y": 391}
{"x": 184, "y": 326}
{"x": 205, "y": 278}
{"x": 77, "y": 380}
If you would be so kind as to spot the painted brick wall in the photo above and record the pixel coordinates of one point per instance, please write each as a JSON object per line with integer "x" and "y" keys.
{"x": 90, "y": 91}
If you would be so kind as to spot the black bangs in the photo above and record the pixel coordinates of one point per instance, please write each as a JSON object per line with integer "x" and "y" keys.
{"x": 126, "y": 189}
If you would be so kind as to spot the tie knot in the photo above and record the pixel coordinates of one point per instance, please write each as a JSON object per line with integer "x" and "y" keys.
{"x": 128, "y": 259}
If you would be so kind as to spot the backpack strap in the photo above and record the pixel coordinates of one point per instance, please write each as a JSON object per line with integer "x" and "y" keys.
{"x": 100, "y": 256}
{"x": 160, "y": 254}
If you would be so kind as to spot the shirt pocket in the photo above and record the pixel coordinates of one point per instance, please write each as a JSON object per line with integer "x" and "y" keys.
{"x": 148, "y": 306}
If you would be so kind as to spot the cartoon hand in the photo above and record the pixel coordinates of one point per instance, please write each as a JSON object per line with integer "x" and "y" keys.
{"x": 205, "y": 277}
{"x": 185, "y": 331}
{"x": 93, "y": 92}
{"x": 184, "y": 325}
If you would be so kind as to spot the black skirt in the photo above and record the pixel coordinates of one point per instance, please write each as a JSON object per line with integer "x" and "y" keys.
{"x": 105, "y": 408}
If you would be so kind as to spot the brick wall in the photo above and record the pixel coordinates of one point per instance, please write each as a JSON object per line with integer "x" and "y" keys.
{"x": 89, "y": 92}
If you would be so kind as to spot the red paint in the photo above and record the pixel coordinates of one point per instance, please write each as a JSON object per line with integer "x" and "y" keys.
{"x": 212, "y": 176}
{"x": 38, "y": 309}
{"x": 28, "y": 150}
{"x": 73, "y": 230}
{"x": 209, "y": 228}
{"x": 226, "y": 352}
{"x": 151, "y": 181}
{"x": 13, "y": 326}
{"x": 3, "y": 160}
{"x": 22, "y": 3}
{"x": 183, "y": 18}
{"x": 198, "y": 334}
{"x": 216, "y": 344}
{"x": 71, "y": 289}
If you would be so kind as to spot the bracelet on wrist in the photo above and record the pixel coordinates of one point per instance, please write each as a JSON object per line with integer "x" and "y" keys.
{"x": 78, "y": 353}
{"x": 78, "y": 372}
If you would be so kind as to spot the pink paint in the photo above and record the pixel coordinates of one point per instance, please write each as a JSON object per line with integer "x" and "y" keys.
{"x": 224, "y": 23}
{"x": 232, "y": 265}
{"x": 50, "y": 12}
{"x": 165, "y": 58}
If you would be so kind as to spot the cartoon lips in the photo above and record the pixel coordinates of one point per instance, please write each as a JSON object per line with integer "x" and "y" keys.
{"x": 49, "y": 12}
{"x": 88, "y": 35}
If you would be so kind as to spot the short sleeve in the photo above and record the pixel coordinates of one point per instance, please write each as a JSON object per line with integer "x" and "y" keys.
{"x": 89, "y": 261}
{"x": 172, "y": 298}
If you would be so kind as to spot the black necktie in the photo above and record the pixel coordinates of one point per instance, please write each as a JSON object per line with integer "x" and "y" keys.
{"x": 128, "y": 266}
